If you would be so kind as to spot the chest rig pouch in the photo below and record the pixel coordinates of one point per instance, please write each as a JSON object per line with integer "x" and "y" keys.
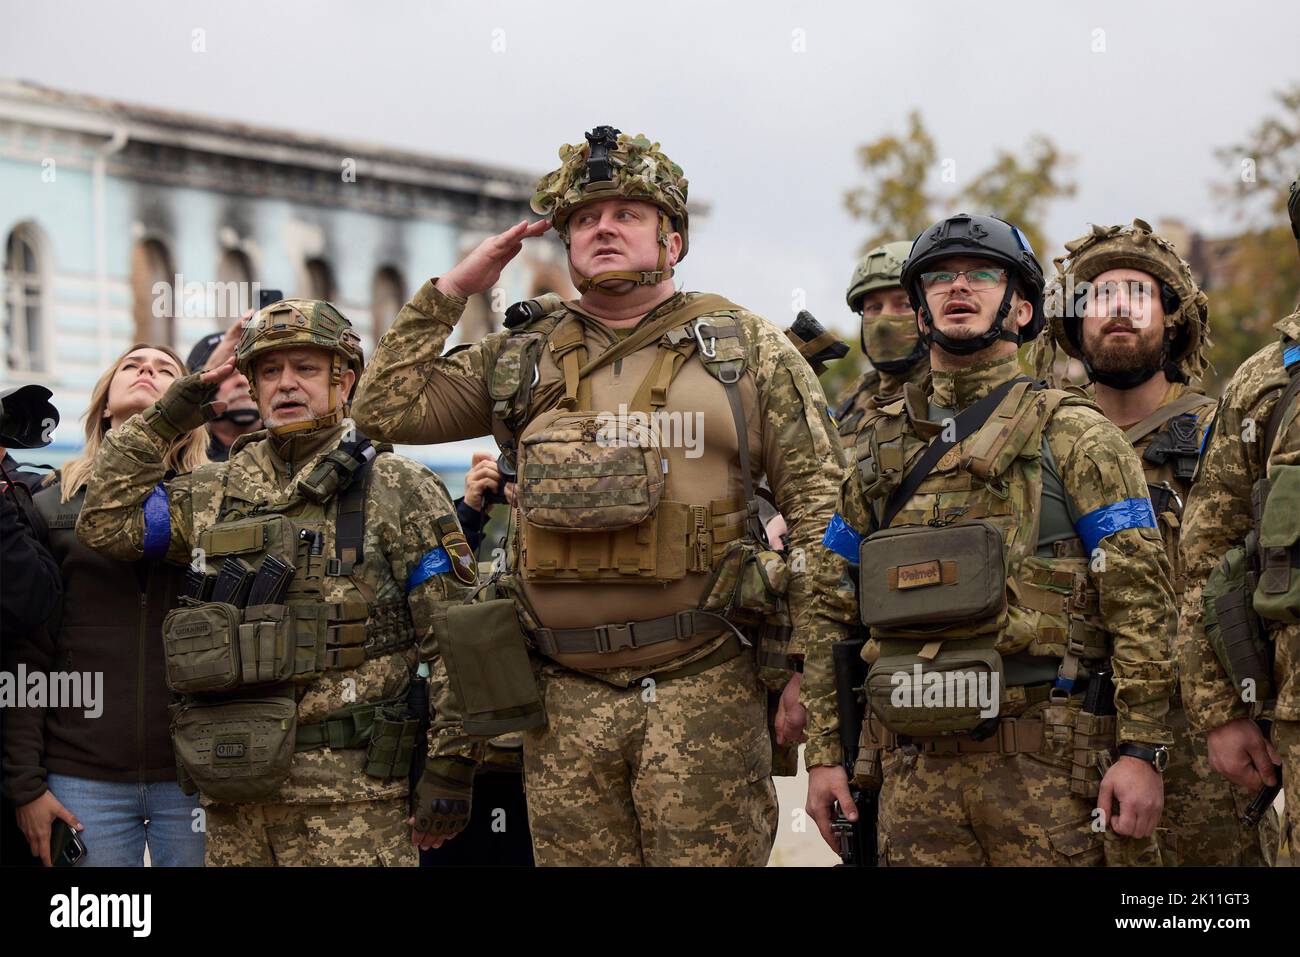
{"x": 940, "y": 596}
{"x": 238, "y": 661}
{"x": 594, "y": 502}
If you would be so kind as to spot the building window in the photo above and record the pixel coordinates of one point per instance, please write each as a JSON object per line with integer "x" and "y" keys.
{"x": 387, "y": 296}
{"x": 320, "y": 279}
{"x": 24, "y": 327}
{"x": 234, "y": 287}
{"x": 152, "y": 293}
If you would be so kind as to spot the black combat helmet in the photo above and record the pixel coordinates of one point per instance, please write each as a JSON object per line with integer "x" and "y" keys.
{"x": 988, "y": 238}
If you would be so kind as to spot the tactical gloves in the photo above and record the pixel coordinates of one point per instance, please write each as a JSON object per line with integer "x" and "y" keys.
{"x": 442, "y": 798}
{"x": 183, "y": 407}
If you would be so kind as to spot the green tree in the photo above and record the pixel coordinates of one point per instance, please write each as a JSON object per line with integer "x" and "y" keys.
{"x": 1262, "y": 276}
{"x": 1019, "y": 186}
{"x": 894, "y": 200}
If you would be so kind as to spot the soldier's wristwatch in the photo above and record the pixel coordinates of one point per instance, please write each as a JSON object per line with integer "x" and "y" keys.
{"x": 1157, "y": 757}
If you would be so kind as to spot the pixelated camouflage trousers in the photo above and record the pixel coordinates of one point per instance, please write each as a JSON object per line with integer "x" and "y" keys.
{"x": 356, "y": 834}
{"x": 1201, "y": 823}
{"x": 1286, "y": 739}
{"x": 1010, "y": 810}
{"x": 677, "y": 773}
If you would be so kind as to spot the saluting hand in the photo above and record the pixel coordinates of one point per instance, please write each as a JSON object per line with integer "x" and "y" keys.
{"x": 479, "y": 271}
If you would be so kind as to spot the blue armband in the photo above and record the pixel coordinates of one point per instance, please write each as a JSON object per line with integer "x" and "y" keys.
{"x": 1100, "y": 522}
{"x": 435, "y": 562}
{"x": 157, "y": 523}
{"x": 842, "y": 539}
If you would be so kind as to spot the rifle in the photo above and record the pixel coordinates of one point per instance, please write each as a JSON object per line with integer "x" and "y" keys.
{"x": 1250, "y": 818}
{"x": 857, "y": 838}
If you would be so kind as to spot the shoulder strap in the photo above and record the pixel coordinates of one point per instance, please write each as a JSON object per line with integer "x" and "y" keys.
{"x": 1279, "y": 411}
{"x": 1186, "y": 402}
{"x": 350, "y": 517}
{"x": 968, "y": 421}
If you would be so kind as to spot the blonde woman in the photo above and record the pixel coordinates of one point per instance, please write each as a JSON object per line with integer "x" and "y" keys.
{"x": 104, "y": 764}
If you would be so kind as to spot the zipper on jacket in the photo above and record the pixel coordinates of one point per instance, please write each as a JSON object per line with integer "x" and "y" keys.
{"x": 140, "y": 681}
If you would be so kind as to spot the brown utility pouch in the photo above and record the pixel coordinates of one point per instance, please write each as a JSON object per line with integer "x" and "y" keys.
{"x": 236, "y": 752}
{"x": 583, "y": 472}
{"x": 936, "y": 688}
{"x": 653, "y": 551}
{"x": 920, "y": 580}
{"x": 491, "y": 675}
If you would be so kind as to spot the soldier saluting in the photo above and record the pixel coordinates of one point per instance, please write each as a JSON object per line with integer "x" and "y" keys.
{"x": 639, "y": 572}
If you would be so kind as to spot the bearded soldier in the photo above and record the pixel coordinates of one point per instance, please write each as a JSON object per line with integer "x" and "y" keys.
{"x": 640, "y": 576}
{"x": 320, "y": 568}
{"x": 1239, "y": 638}
{"x": 1126, "y": 306}
{"x": 888, "y": 336}
{"x": 1008, "y": 560}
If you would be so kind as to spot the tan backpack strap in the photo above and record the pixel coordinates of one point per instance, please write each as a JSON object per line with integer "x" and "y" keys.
{"x": 1187, "y": 402}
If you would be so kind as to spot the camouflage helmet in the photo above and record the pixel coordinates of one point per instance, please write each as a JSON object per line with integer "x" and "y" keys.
{"x": 881, "y": 268}
{"x": 611, "y": 164}
{"x": 297, "y": 323}
{"x": 1186, "y": 307}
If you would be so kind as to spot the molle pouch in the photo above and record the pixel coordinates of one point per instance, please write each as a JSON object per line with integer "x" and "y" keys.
{"x": 236, "y": 752}
{"x": 654, "y": 551}
{"x": 488, "y": 665}
{"x": 938, "y": 688}
{"x": 216, "y": 647}
{"x": 764, "y": 580}
{"x": 1093, "y": 751}
{"x": 920, "y": 581}
{"x": 1234, "y": 630}
{"x": 589, "y": 472}
{"x": 393, "y": 740}
{"x": 1277, "y": 594}
{"x": 514, "y": 376}
{"x": 271, "y": 533}
{"x": 879, "y": 454}
{"x": 867, "y": 772}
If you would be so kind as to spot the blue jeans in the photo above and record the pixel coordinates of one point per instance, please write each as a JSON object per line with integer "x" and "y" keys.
{"x": 120, "y": 819}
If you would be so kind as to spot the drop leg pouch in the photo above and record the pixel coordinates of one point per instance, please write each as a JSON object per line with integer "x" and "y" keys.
{"x": 491, "y": 675}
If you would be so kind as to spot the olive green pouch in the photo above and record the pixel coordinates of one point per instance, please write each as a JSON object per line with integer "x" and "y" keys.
{"x": 1277, "y": 594}
{"x": 937, "y": 688}
{"x": 1233, "y": 628}
{"x": 236, "y": 752}
{"x": 923, "y": 580}
{"x": 491, "y": 675}
{"x": 393, "y": 740}
{"x": 212, "y": 648}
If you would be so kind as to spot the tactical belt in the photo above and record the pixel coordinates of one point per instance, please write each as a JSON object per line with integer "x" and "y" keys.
{"x": 348, "y": 727}
{"x": 1012, "y": 736}
{"x": 605, "y": 639}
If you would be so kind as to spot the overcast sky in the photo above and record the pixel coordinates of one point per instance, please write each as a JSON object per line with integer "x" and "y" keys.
{"x": 761, "y": 103}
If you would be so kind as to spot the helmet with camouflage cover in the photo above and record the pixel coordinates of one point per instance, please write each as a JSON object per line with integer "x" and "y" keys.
{"x": 612, "y": 164}
{"x": 896, "y": 345}
{"x": 1186, "y": 307}
{"x": 881, "y": 268}
{"x": 297, "y": 323}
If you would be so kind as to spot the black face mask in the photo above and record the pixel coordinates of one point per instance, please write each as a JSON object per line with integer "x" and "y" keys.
{"x": 239, "y": 417}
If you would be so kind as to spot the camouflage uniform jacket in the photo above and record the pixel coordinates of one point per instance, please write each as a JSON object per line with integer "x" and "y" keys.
{"x": 411, "y": 392}
{"x": 1097, "y": 469}
{"x": 1217, "y": 518}
{"x": 403, "y": 501}
{"x": 851, "y": 406}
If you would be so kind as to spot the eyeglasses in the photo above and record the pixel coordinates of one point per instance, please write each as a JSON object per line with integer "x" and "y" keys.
{"x": 986, "y": 277}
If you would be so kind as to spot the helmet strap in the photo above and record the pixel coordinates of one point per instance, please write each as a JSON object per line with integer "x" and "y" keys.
{"x": 968, "y": 347}
{"x": 649, "y": 278}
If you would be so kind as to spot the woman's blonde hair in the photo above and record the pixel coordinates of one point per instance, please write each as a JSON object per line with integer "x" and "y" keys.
{"x": 187, "y": 451}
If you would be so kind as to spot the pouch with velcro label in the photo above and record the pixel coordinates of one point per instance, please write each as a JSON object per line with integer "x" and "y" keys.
{"x": 937, "y": 688}
{"x": 487, "y": 662}
{"x": 217, "y": 647}
{"x": 1277, "y": 593}
{"x": 588, "y": 472}
{"x": 236, "y": 752}
{"x": 922, "y": 580}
